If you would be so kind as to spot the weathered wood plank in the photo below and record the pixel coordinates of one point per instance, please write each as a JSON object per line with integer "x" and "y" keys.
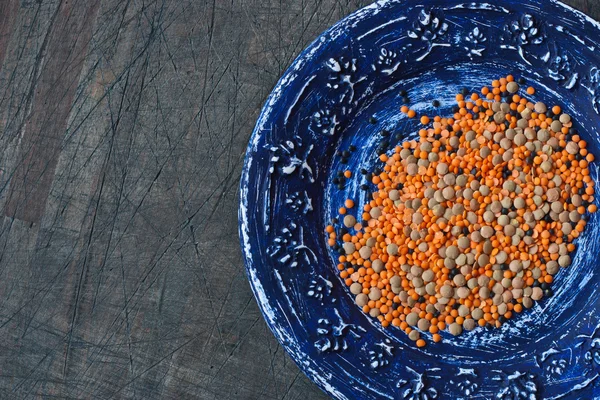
{"x": 63, "y": 51}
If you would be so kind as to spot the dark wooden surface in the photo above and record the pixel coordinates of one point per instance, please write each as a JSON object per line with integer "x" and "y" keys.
{"x": 123, "y": 129}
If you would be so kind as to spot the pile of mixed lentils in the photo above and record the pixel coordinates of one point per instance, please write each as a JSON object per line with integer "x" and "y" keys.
{"x": 471, "y": 222}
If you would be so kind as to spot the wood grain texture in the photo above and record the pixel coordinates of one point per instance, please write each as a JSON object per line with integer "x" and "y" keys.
{"x": 123, "y": 129}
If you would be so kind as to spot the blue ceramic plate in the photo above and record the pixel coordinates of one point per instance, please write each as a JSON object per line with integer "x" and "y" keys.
{"x": 323, "y": 104}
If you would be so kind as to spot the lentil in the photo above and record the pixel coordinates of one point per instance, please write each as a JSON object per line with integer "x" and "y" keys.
{"x": 503, "y": 200}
